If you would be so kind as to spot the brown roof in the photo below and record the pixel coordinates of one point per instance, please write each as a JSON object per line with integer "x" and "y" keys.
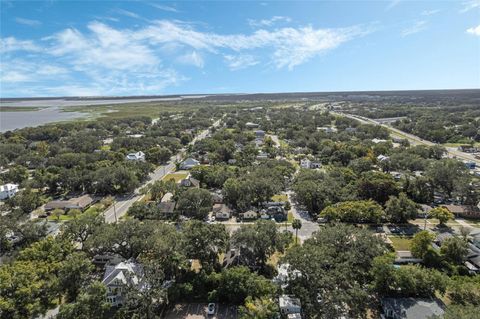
{"x": 221, "y": 208}
{"x": 455, "y": 209}
{"x": 77, "y": 202}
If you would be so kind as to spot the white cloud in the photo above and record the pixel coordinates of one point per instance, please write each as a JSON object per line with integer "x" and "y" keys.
{"x": 430, "y": 12}
{"x": 104, "y": 47}
{"x": 290, "y": 46}
{"x": 238, "y": 62}
{"x": 121, "y": 61}
{"x": 470, "y": 5}
{"x": 268, "y": 22}
{"x": 12, "y": 44}
{"x": 415, "y": 28}
{"x": 127, "y": 13}
{"x": 474, "y": 30}
{"x": 19, "y": 70}
{"x": 29, "y": 22}
{"x": 392, "y": 4}
{"x": 192, "y": 58}
{"x": 164, "y": 7}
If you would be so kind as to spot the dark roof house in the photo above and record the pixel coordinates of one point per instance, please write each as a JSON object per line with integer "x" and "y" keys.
{"x": 411, "y": 308}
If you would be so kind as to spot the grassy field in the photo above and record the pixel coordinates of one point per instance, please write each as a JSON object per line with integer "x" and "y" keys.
{"x": 175, "y": 176}
{"x": 150, "y": 109}
{"x": 400, "y": 243}
{"x": 290, "y": 217}
{"x": 19, "y": 108}
{"x": 280, "y": 198}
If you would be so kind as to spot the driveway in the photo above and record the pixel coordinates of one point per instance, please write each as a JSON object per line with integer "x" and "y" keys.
{"x": 199, "y": 311}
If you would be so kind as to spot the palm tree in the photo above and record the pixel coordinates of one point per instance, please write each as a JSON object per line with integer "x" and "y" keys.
{"x": 296, "y": 224}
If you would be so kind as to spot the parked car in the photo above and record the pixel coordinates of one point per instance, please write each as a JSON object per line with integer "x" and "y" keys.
{"x": 322, "y": 220}
{"x": 211, "y": 309}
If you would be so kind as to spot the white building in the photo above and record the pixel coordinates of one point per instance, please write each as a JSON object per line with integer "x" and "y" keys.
{"x": 377, "y": 140}
{"x": 290, "y": 305}
{"x": 117, "y": 277}
{"x": 8, "y": 190}
{"x": 138, "y": 156}
{"x": 305, "y": 163}
{"x": 382, "y": 158}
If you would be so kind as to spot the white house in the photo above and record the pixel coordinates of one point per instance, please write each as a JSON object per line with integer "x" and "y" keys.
{"x": 189, "y": 163}
{"x": 138, "y": 156}
{"x": 249, "y": 215}
{"x": 382, "y": 158}
{"x": 251, "y": 125}
{"x": 8, "y": 190}
{"x": 289, "y": 305}
{"x": 117, "y": 277}
{"x": 377, "y": 140}
{"x": 305, "y": 163}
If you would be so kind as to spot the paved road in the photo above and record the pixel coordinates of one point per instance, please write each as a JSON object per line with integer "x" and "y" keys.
{"x": 123, "y": 203}
{"x": 413, "y": 139}
{"x": 309, "y": 226}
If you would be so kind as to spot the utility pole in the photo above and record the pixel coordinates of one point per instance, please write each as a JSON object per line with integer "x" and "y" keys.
{"x": 115, "y": 212}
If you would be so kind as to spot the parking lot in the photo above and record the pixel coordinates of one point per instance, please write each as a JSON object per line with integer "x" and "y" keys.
{"x": 199, "y": 311}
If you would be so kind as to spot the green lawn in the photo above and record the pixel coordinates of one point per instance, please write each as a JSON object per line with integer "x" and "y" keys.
{"x": 290, "y": 217}
{"x": 63, "y": 218}
{"x": 400, "y": 243}
{"x": 176, "y": 176}
{"x": 280, "y": 198}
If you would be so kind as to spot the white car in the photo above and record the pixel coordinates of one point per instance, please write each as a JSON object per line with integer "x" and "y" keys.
{"x": 211, "y": 309}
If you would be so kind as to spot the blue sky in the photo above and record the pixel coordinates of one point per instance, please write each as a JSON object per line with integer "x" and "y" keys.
{"x": 67, "y": 48}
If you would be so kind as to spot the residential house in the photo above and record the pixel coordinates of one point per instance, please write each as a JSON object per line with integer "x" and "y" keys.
{"x": 217, "y": 198}
{"x": 136, "y": 156}
{"x": 190, "y": 182}
{"x": 411, "y": 308}
{"x": 249, "y": 215}
{"x": 327, "y": 129}
{"x": 8, "y": 191}
{"x": 107, "y": 141}
{"x": 118, "y": 276}
{"x": 382, "y": 158}
{"x": 251, "y": 125}
{"x": 259, "y": 134}
{"x": 167, "y": 197}
{"x": 463, "y": 210}
{"x": 262, "y": 156}
{"x": 305, "y": 163}
{"x": 351, "y": 129}
{"x": 81, "y": 203}
{"x": 289, "y": 305}
{"x": 315, "y": 165}
{"x": 377, "y": 140}
{"x": 222, "y": 211}
{"x": 166, "y": 208}
{"x": 285, "y": 274}
{"x": 189, "y": 163}
{"x": 404, "y": 256}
